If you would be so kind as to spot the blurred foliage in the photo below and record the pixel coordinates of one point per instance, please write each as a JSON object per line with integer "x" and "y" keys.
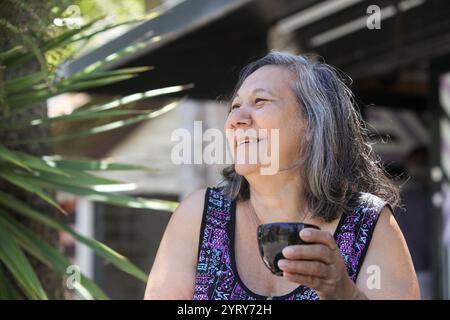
{"x": 28, "y": 37}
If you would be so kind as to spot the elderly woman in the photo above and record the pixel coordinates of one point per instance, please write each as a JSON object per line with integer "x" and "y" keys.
{"x": 328, "y": 176}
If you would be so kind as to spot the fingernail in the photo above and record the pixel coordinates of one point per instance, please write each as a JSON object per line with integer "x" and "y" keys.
{"x": 305, "y": 233}
{"x": 287, "y": 251}
{"x": 282, "y": 263}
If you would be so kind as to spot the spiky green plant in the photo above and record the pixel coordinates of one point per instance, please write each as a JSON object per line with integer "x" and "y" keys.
{"x": 45, "y": 174}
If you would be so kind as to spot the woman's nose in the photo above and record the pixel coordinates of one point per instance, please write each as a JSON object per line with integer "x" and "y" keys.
{"x": 240, "y": 119}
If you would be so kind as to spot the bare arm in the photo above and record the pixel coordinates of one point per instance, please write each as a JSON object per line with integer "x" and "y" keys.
{"x": 387, "y": 271}
{"x": 388, "y": 254}
{"x": 173, "y": 272}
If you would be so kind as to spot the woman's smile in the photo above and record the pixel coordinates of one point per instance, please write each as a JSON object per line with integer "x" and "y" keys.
{"x": 247, "y": 140}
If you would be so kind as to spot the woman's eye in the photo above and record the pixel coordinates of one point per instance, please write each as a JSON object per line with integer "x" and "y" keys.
{"x": 260, "y": 100}
{"x": 235, "y": 106}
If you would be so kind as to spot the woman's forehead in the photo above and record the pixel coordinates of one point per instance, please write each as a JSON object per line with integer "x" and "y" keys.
{"x": 271, "y": 79}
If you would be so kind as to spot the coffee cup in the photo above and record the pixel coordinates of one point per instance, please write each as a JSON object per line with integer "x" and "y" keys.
{"x": 274, "y": 237}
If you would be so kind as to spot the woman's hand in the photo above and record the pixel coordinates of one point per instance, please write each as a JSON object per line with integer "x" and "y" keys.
{"x": 319, "y": 266}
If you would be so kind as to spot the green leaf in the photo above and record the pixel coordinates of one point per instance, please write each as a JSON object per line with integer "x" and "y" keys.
{"x": 99, "y": 248}
{"x": 18, "y": 265}
{"x": 74, "y": 178}
{"x": 117, "y": 199}
{"x": 68, "y": 36}
{"x": 98, "y": 75}
{"x": 21, "y": 57}
{"x": 101, "y": 128}
{"x": 71, "y": 117}
{"x": 88, "y": 36}
{"x": 8, "y": 54}
{"x": 5, "y": 292}
{"x": 23, "y": 83}
{"x": 7, "y": 289}
{"x": 135, "y": 97}
{"x": 20, "y": 102}
{"x": 48, "y": 255}
{"x": 12, "y": 157}
{"x": 31, "y": 186}
{"x": 34, "y": 162}
{"x": 117, "y": 55}
{"x": 105, "y": 74}
{"x": 92, "y": 165}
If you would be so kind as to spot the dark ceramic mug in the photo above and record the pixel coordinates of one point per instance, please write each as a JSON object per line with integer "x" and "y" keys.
{"x": 274, "y": 237}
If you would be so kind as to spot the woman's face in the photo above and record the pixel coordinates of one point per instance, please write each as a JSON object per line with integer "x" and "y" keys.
{"x": 266, "y": 101}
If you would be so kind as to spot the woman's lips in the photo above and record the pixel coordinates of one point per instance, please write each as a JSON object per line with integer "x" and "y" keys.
{"x": 247, "y": 141}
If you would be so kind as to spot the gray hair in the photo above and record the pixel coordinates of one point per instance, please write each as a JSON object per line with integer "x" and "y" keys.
{"x": 337, "y": 159}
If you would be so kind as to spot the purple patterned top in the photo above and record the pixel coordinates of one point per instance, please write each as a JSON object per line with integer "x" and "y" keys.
{"x": 217, "y": 277}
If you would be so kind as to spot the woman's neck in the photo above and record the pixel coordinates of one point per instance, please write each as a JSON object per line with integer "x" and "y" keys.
{"x": 277, "y": 197}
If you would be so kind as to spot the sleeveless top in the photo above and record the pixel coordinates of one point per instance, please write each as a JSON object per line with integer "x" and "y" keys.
{"x": 217, "y": 277}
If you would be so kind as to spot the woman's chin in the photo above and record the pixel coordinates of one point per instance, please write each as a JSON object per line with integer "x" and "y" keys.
{"x": 246, "y": 169}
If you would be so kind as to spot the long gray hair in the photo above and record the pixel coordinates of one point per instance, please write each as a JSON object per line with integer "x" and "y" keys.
{"x": 337, "y": 158}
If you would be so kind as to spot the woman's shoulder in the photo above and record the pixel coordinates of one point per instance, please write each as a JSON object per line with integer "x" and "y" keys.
{"x": 393, "y": 259}
{"x": 373, "y": 199}
{"x": 174, "y": 281}
{"x": 196, "y": 195}
{"x": 375, "y": 206}
{"x": 185, "y": 222}
{"x": 364, "y": 212}
{"x": 187, "y": 217}
{"x": 364, "y": 201}
{"x": 192, "y": 205}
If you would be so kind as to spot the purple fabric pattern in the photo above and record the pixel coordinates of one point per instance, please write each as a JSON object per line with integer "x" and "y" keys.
{"x": 217, "y": 277}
